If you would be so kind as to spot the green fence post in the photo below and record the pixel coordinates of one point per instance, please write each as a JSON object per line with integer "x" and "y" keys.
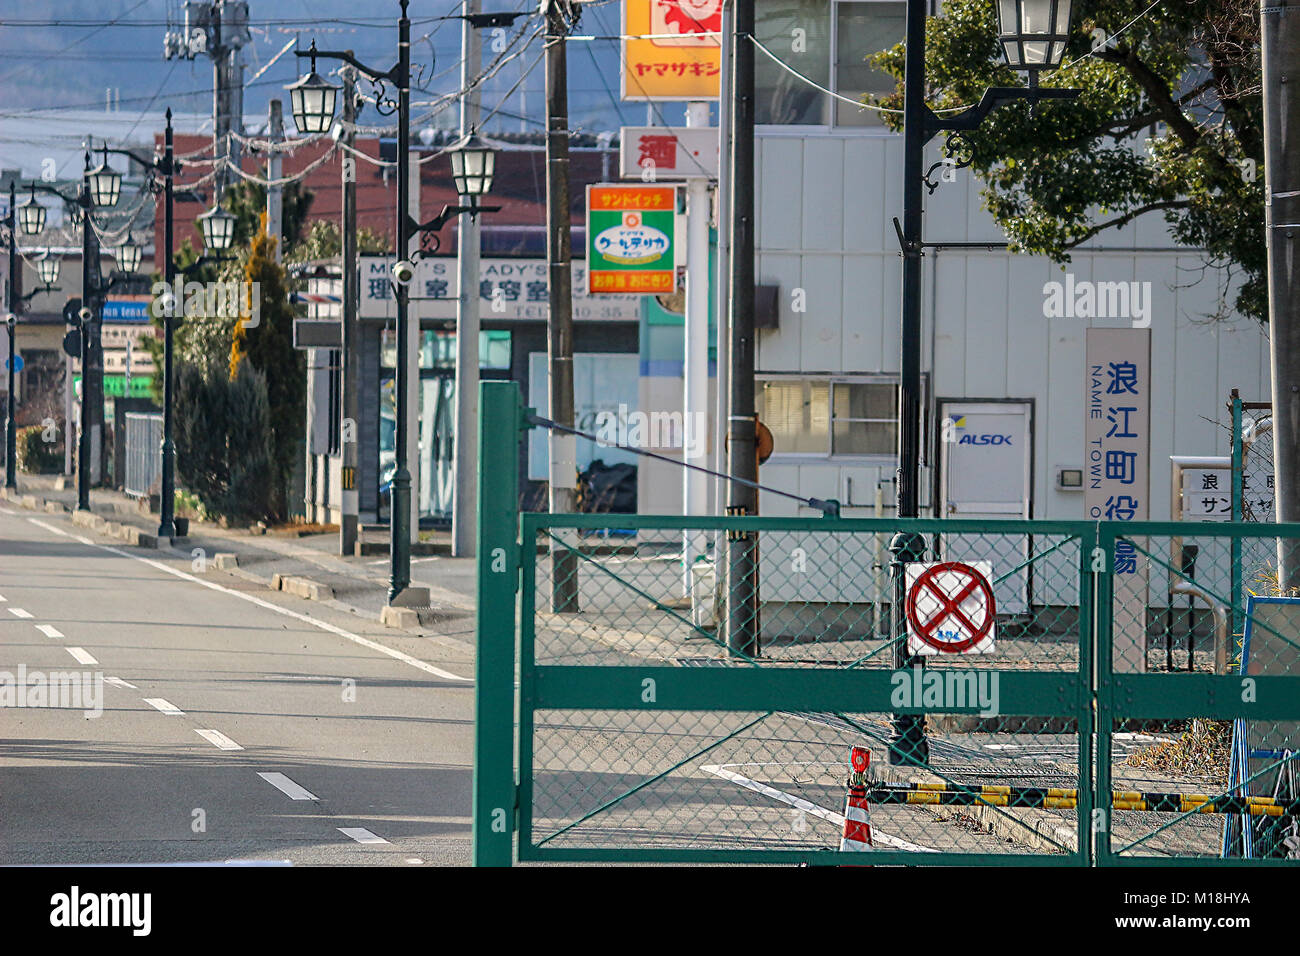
{"x": 500, "y": 427}
{"x": 1089, "y": 643}
{"x": 1103, "y": 598}
{"x": 1238, "y": 514}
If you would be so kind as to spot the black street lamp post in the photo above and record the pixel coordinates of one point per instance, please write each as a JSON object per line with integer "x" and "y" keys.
{"x": 31, "y": 218}
{"x": 312, "y": 101}
{"x": 1033, "y": 34}
{"x": 164, "y": 167}
{"x": 11, "y": 309}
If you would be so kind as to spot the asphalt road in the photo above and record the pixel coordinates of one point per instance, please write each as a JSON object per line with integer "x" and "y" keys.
{"x": 354, "y": 742}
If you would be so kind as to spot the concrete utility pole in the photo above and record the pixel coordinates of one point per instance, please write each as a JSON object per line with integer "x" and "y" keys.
{"x": 350, "y": 403}
{"x": 742, "y": 459}
{"x": 695, "y": 369}
{"x": 559, "y": 325}
{"x": 275, "y": 194}
{"x": 218, "y": 28}
{"x": 1280, "y": 54}
{"x": 465, "y": 485}
{"x": 228, "y": 40}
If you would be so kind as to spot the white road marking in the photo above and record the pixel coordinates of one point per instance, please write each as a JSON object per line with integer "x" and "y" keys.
{"x": 287, "y": 786}
{"x": 297, "y": 616}
{"x": 799, "y": 803}
{"x": 218, "y": 740}
{"x": 3, "y": 600}
{"x": 79, "y": 654}
{"x": 361, "y": 835}
{"x": 49, "y": 630}
{"x": 118, "y": 682}
{"x": 165, "y": 706}
{"x": 19, "y": 612}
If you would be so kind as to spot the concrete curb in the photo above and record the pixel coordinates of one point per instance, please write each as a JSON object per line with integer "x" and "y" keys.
{"x": 402, "y": 618}
{"x": 1040, "y": 830}
{"x": 302, "y": 587}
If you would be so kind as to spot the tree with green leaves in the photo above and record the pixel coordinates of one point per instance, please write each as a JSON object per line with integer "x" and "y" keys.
{"x": 1169, "y": 122}
{"x": 247, "y": 202}
{"x": 266, "y": 344}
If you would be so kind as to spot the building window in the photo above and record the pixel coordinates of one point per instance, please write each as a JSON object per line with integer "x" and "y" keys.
{"x": 438, "y": 349}
{"x": 851, "y": 417}
{"x": 828, "y": 42}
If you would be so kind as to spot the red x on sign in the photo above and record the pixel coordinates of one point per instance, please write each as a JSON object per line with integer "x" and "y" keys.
{"x": 950, "y": 609}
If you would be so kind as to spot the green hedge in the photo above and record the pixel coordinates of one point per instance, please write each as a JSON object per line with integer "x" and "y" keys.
{"x": 36, "y": 455}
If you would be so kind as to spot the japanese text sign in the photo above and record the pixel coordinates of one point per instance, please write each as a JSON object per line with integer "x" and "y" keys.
{"x": 630, "y": 239}
{"x": 672, "y": 49}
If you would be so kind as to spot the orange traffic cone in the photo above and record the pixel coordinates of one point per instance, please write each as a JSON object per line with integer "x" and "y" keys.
{"x": 857, "y": 812}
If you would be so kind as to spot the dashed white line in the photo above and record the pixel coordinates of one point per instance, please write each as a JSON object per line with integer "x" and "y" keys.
{"x": 287, "y": 786}
{"x": 118, "y": 682}
{"x": 80, "y": 655}
{"x": 19, "y": 612}
{"x": 49, "y": 630}
{"x": 165, "y": 706}
{"x": 277, "y": 609}
{"x": 218, "y": 740}
{"x": 361, "y": 835}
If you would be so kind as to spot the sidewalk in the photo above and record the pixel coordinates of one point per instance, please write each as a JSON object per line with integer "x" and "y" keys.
{"x": 308, "y": 566}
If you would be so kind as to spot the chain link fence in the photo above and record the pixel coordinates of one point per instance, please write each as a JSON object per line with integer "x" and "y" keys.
{"x": 1012, "y": 692}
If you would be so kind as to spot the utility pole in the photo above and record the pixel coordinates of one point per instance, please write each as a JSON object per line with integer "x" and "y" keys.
{"x": 351, "y": 385}
{"x": 275, "y": 193}
{"x": 218, "y": 28}
{"x": 742, "y": 459}
{"x": 228, "y": 38}
{"x": 465, "y": 486}
{"x": 562, "y": 473}
{"x": 1280, "y": 55}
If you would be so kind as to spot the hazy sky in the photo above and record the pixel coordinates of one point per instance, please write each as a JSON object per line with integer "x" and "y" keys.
{"x": 58, "y": 58}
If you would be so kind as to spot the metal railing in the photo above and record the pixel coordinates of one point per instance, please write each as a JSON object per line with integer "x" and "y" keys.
{"x": 143, "y": 455}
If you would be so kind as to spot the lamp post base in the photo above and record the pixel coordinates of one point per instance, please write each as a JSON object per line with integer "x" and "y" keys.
{"x": 410, "y": 596}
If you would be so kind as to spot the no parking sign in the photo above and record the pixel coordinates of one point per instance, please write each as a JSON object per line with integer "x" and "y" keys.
{"x": 950, "y": 608}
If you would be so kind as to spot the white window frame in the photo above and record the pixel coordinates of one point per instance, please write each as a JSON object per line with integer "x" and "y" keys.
{"x": 856, "y": 378}
{"x": 831, "y": 128}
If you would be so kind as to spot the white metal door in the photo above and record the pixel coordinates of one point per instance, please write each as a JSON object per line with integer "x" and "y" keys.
{"x": 985, "y": 458}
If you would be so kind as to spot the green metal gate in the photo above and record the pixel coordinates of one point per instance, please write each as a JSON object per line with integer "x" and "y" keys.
{"x": 615, "y": 723}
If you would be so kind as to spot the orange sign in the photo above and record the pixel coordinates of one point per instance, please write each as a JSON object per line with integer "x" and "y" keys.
{"x": 672, "y": 49}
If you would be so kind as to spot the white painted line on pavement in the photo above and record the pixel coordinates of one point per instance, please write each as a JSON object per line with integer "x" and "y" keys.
{"x": 118, "y": 682}
{"x": 361, "y": 835}
{"x": 3, "y": 600}
{"x": 49, "y": 630}
{"x": 19, "y": 612}
{"x": 79, "y": 654}
{"x": 287, "y": 786}
{"x": 799, "y": 803}
{"x": 166, "y": 707}
{"x": 218, "y": 740}
{"x": 297, "y": 616}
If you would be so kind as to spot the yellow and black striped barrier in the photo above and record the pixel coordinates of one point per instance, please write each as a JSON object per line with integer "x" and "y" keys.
{"x": 1063, "y": 798}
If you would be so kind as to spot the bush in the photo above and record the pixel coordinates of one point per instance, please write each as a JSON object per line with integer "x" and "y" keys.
{"x": 36, "y": 455}
{"x": 223, "y": 453}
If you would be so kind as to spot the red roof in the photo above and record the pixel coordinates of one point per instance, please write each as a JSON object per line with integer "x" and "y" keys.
{"x": 519, "y": 186}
